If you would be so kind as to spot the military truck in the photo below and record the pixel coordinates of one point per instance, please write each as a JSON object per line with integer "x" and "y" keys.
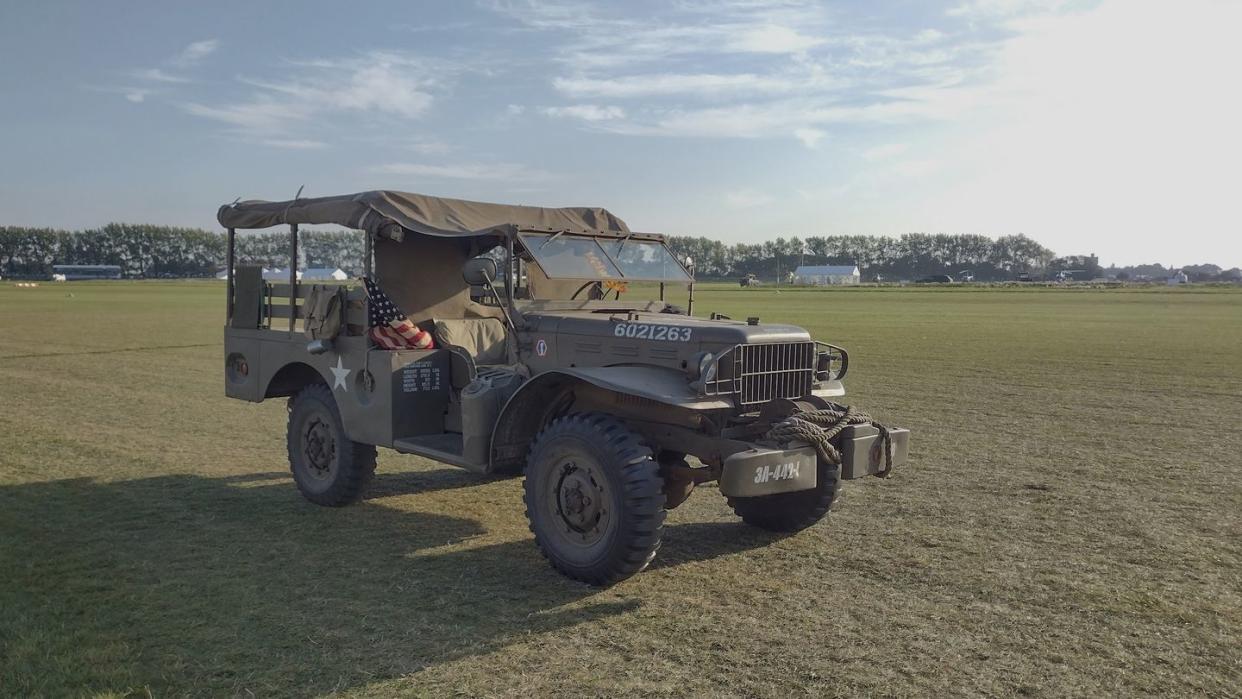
{"x": 569, "y": 365}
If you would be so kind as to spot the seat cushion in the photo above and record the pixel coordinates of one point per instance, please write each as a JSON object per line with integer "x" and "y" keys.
{"x": 482, "y": 338}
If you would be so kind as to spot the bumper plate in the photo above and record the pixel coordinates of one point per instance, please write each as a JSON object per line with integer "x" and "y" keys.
{"x": 862, "y": 453}
{"x": 757, "y": 472}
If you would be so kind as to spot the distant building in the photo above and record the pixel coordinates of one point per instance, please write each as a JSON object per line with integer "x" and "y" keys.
{"x": 821, "y": 275}
{"x": 324, "y": 274}
{"x": 1079, "y": 268}
{"x": 78, "y": 272}
{"x": 276, "y": 274}
{"x": 316, "y": 274}
{"x": 1178, "y": 277}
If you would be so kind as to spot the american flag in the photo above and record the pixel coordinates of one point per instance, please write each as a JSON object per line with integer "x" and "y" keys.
{"x": 390, "y": 328}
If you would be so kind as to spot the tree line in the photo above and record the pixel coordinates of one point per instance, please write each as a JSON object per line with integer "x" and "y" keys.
{"x": 878, "y": 257}
{"x": 148, "y": 251}
{"x": 1156, "y": 272}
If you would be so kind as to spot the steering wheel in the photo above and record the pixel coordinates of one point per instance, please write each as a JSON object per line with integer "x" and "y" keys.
{"x": 595, "y": 294}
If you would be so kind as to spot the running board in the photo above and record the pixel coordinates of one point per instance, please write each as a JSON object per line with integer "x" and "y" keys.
{"x": 446, "y": 448}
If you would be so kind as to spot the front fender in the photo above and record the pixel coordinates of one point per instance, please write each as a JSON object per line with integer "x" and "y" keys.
{"x": 660, "y": 384}
{"x": 524, "y": 414}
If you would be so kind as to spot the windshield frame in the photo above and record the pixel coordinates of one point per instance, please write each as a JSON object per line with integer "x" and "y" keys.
{"x": 532, "y": 241}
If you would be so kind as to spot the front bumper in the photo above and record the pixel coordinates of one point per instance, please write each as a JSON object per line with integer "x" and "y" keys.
{"x": 764, "y": 471}
{"x": 761, "y": 471}
{"x": 862, "y": 452}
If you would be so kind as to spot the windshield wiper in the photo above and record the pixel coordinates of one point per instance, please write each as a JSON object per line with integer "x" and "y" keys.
{"x": 554, "y": 237}
{"x": 624, "y": 240}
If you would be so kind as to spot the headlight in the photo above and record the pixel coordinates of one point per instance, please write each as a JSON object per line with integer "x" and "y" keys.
{"x": 831, "y": 364}
{"x": 707, "y": 367}
{"x": 823, "y": 366}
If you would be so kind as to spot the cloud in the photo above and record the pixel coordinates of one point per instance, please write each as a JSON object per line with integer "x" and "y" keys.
{"x": 750, "y": 68}
{"x": 1128, "y": 143}
{"x": 134, "y": 94}
{"x": 630, "y": 86}
{"x": 258, "y": 116}
{"x": 773, "y": 38}
{"x": 778, "y": 118}
{"x": 810, "y": 137}
{"x": 294, "y": 144}
{"x": 157, "y": 75}
{"x": 600, "y": 35}
{"x": 885, "y": 151}
{"x": 586, "y": 112}
{"x": 187, "y": 58}
{"x": 747, "y": 199}
{"x": 465, "y": 171}
{"x": 195, "y": 53}
{"x": 915, "y": 168}
{"x": 428, "y": 147}
{"x": 378, "y": 85}
{"x": 1004, "y": 9}
{"x": 381, "y": 85}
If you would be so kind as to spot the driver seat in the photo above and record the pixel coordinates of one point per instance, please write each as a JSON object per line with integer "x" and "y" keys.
{"x": 478, "y": 342}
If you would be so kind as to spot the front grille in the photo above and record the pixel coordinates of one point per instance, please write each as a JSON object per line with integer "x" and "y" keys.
{"x": 756, "y": 374}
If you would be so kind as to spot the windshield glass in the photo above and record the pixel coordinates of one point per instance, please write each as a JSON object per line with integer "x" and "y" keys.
{"x": 581, "y": 257}
{"x": 570, "y": 257}
{"x": 645, "y": 260}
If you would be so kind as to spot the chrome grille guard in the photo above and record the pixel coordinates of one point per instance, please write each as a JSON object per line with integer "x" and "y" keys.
{"x": 754, "y": 374}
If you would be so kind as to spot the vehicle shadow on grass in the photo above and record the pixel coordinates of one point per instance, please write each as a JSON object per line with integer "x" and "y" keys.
{"x": 183, "y": 584}
{"x": 386, "y": 483}
{"x": 702, "y": 541}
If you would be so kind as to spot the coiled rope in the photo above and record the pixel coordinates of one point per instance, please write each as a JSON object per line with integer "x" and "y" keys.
{"x": 819, "y": 427}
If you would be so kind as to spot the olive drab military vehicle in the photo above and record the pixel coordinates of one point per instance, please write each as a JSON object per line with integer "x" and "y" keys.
{"x": 555, "y": 355}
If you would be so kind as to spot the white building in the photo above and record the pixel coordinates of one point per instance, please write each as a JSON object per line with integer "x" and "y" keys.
{"x": 323, "y": 274}
{"x": 1178, "y": 277}
{"x": 316, "y": 274}
{"x": 820, "y": 275}
{"x": 277, "y": 274}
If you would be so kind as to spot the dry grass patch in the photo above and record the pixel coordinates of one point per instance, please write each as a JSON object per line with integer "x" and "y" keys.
{"x": 1069, "y": 524}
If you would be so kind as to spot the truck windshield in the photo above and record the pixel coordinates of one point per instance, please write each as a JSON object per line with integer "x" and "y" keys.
{"x": 581, "y": 257}
{"x": 645, "y": 259}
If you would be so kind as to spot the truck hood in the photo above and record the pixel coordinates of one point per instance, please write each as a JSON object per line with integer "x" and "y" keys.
{"x": 581, "y": 338}
{"x": 703, "y": 331}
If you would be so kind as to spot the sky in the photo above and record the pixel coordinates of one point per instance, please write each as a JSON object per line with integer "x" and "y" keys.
{"x": 1111, "y": 127}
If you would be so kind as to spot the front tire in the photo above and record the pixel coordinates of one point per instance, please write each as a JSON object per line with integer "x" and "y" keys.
{"x": 328, "y": 467}
{"x": 792, "y": 512}
{"x": 594, "y": 498}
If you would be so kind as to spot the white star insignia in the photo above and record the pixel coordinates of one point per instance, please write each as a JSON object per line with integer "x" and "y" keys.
{"x": 339, "y": 374}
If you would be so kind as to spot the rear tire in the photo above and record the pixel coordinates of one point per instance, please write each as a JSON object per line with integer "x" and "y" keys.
{"x": 328, "y": 467}
{"x": 792, "y": 512}
{"x": 594, "y": 498}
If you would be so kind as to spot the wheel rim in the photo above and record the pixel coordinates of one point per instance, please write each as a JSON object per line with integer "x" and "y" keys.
{"x": 319, "y": 448}
{"x": 580, "y": 502}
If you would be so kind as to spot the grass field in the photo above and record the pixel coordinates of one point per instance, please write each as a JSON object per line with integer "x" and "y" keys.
{"x": 1070, "y": 522}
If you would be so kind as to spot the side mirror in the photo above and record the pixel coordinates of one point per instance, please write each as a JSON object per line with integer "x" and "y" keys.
{"x": 479, "y": 271}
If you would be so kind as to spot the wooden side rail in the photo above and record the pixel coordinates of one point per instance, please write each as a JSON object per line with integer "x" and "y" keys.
{"x": 276, "y": 305}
